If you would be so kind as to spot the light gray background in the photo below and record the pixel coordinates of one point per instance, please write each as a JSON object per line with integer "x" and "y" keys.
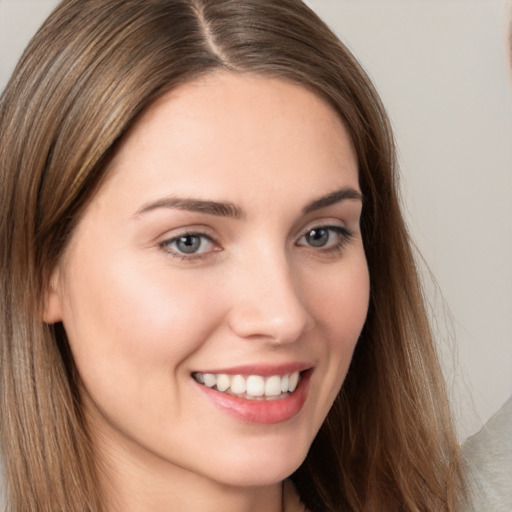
{"x": 441, "y": 67}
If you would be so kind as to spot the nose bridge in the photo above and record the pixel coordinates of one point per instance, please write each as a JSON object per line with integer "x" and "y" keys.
{"x": 269, "y": 303}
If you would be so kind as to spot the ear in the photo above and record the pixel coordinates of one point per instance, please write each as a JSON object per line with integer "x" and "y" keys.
{"x": 52, "y": 312}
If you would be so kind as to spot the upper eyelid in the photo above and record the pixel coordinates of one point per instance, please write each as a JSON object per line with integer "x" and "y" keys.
{"x": 213, "y": 234}
{"x": 205, "y": 231}
{"x": 343, "y": 230}
{"x": 170, "y": 239}
{"x": 198, "y": 230}
{"x": 328, "y": 222}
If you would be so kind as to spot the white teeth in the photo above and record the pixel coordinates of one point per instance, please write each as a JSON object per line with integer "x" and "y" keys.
{"x": 238, "y": 385}
{"x": 294, "y": 380}
{"x": 285, "y": 382}
{"x": 252, "y": 386}
{"x": 273, "y": 386}
{"x": 209, "y": 380}
{"x": 255, "y": 385}
{"x": 223, "y": 382}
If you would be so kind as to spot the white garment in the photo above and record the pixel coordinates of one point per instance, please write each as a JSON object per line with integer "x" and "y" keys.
{"x": 488, "y": 455}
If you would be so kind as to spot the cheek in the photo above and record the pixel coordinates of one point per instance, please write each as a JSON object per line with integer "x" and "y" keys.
{"x": 340, "y": 304}
{"x": 126, "y": 321}
{"x": 132, "y": 329}
{"x": 340, "y": 301}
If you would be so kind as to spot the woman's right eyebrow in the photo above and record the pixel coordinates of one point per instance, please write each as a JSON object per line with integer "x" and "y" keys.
{"x": 218, "y": 208}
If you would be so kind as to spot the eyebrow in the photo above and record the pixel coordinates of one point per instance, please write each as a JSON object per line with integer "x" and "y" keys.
{"x": 218, "y": 208}
{"x": 227, "y": 209}
{"x": 343, "y": 194}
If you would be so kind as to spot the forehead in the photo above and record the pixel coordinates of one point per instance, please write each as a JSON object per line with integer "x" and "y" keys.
{"x": 235, "y": 92}
{"x": 237, "y": 129}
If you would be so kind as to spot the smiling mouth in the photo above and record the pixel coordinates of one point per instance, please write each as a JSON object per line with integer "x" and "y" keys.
{"x": 251, "y": 387}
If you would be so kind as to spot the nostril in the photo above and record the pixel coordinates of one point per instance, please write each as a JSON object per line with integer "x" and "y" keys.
{"x": 277, "y": 326}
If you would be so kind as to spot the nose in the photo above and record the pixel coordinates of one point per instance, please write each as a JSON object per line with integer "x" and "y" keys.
{"x": 268, "y": 304}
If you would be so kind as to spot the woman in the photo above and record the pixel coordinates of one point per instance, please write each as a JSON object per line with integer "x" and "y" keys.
{"x": 207, "y": 284}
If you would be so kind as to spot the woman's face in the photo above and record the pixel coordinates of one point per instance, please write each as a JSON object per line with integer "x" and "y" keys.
{"x": 215, "y": 288}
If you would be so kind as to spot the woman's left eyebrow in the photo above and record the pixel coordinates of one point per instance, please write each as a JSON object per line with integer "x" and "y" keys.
{"x": 343, "y": 194}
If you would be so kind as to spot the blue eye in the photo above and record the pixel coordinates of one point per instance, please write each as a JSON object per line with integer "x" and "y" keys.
{"x": 318, "y": 237}
{"x": 188, "y": 244}
{"x": 325, "y": 237}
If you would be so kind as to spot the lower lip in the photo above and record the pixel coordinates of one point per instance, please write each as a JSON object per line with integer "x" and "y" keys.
{"x": 264, "y": 412}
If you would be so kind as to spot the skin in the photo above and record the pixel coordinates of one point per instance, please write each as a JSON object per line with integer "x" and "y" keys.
{"x": 141, "y": 317}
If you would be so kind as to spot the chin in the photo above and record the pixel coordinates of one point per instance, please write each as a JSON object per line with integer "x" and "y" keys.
{"x": 265, "y": 466}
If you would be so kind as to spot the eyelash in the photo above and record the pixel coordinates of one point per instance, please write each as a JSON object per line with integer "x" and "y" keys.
{"x": 343, "y": 234}
{"x": 174, "y": 253}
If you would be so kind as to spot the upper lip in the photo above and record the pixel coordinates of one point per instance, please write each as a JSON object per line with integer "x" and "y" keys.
{"x": 265, "y": 370}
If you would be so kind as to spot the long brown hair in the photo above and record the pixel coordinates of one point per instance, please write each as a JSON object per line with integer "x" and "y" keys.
{"x": 94, "y": 66}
